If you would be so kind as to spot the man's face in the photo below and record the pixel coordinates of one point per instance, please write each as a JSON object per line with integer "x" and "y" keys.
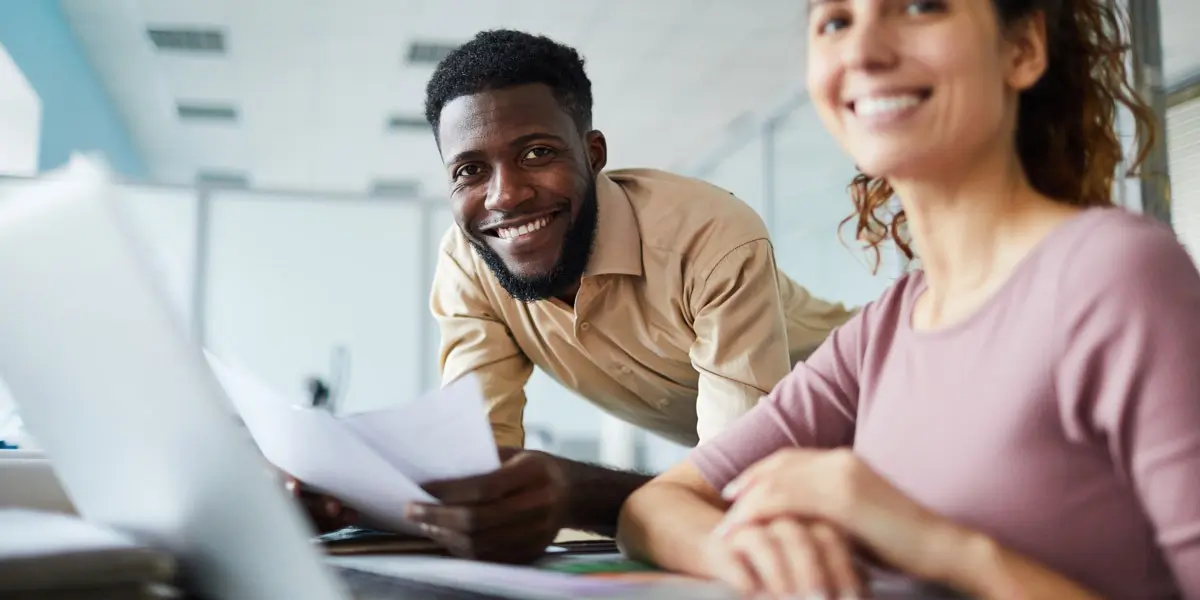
{"x": 523, "y": 186}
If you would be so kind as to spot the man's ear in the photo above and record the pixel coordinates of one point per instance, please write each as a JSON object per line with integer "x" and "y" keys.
{"x": 597, "y": 148}
{"x": 1029, "y": 51}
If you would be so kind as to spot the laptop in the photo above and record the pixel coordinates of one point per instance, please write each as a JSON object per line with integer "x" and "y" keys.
{"x": 140, "y": 432}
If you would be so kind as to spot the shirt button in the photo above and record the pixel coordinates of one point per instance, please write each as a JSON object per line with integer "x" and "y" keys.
{"x": 624, "y": 369}
{"x": 585, "y": 326}
{"x": 663, "y": 403}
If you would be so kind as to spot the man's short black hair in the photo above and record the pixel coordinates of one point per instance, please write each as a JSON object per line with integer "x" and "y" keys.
{"x": 504, "y": 58}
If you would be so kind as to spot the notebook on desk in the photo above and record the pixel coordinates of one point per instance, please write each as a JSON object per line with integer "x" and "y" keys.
{"x": 360, "y": 540}
{"x": 52, "y": 555}
{"x": 29, "y": 482}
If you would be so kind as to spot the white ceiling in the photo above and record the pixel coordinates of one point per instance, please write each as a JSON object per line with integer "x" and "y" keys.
{"x": 316, "y": 80}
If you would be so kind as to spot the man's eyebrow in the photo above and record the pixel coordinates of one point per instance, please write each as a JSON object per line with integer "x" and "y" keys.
{"x": 530, "y": 137}
{"x": 464, "y": 155}
{"x": 522, "y": 140}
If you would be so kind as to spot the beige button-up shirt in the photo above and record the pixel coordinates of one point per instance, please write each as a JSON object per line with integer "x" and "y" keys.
{"x": 682, "y": 320}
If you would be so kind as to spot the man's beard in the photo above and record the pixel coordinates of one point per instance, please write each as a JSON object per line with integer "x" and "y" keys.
{"x": 572, "y": 261}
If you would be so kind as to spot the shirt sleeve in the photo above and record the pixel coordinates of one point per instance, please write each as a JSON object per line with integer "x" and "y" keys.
{"x": 814, "y": 406}
{"x": 741, "y": 348}
{"x": 476, "y": 340}
{"x": 1128, "y": 373}
{"x": 809, "y": 318}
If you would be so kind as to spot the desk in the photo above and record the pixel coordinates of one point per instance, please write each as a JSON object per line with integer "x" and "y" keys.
{"x": 535, "y": 583}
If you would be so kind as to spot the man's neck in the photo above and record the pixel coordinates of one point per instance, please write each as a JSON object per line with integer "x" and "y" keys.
{"x": 568, "y": 294}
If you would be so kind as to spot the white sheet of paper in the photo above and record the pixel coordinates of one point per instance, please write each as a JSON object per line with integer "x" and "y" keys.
{"x": 319, "y": 450}
{"x": 443, "y": 435}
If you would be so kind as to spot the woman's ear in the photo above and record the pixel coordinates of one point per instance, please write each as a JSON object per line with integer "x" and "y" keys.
{"x": 1028, "y": 51}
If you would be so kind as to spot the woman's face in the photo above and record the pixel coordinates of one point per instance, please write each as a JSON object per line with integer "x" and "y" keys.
{"x": 911, "y": 88}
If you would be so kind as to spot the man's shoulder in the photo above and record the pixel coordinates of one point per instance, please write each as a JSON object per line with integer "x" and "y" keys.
{"x": 455, "y": 245}
{"x": 676, "y": 212}
{"x": 460, "y": 269}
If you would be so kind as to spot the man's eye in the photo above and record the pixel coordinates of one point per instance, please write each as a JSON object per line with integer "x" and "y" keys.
{"x": 466, "y": 171}
{"x": 538, "y": 152}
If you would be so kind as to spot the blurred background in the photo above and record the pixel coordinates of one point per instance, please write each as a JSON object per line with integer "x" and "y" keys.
{"x": 276, "y": 156}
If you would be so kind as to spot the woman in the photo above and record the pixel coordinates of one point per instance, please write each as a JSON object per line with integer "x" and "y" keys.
{"x": 1023, "y": 412}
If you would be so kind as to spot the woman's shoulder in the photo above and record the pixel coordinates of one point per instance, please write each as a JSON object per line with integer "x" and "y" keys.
{"x": 1119, "y": 246}
{"x": 1117, "y": 256}
{"x": 886, "y": 311}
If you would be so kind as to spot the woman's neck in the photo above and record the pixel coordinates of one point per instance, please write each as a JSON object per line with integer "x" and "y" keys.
{"x": 971, "y": 227}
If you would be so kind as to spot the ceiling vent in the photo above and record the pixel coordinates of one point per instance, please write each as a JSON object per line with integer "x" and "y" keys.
{"x": 396, "y": 188}
{"x": 222, "y": 180}
{"x": 190, "y": 40}
{"x": 428, "y": 53}
{"x": 407, "y": 123}
{"x": 196, "y": 111}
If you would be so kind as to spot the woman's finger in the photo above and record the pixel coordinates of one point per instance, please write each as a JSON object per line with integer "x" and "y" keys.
{"x": 845, "y": 580}
{"x": 761, "y": 503}
{"x": 728, "y": 567}
{"x": 765, "y": 557}
{"x": 801, "y": 556}
{"x": 767, "y": 468}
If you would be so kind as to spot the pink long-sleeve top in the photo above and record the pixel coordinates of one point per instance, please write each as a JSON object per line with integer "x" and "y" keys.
{"x": 1062, "y": 417}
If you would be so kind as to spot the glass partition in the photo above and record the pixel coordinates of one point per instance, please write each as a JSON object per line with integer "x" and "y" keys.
{"x": 794, "y": 174}
{"x": 811, "y": 174}
{"x": 167, "y": 220}
{"x": 301, "y": 287}
{"x": 741, "y": 172}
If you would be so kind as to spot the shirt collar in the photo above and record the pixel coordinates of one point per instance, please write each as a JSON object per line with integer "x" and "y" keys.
{"x": 617, "y": 248}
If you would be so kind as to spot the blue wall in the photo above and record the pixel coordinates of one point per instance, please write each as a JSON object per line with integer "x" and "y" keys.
{"x": 77, "y": 114}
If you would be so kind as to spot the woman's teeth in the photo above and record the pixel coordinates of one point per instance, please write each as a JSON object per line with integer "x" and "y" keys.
{"x": 871, "y": 107}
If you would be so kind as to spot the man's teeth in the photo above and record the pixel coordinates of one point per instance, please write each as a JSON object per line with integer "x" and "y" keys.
{"x": 870, "y": 107}
{"x": 512, "y": 232}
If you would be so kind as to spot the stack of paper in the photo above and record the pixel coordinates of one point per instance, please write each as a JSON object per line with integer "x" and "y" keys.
{"x": 50, "y": 555}
{"x": 373, "y": 462}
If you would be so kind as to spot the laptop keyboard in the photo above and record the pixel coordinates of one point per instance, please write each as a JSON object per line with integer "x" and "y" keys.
{"x": 365, "y": 585}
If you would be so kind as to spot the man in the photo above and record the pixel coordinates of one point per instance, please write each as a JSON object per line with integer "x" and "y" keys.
{"x": 652, "y": 295}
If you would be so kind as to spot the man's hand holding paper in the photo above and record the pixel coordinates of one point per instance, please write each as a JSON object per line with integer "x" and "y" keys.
{"x": 371, "y": 463}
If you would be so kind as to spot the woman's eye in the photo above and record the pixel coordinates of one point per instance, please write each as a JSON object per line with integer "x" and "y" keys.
{"x": 832, "y": 25}
{"x": 920, "y": 7}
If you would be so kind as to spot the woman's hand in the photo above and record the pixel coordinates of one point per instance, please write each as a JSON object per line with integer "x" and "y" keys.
{"x": 836, "y": 487}
{"x": 785, "y": 558}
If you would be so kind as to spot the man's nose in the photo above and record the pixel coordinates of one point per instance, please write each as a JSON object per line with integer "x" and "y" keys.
{"x": 507, "y": 190}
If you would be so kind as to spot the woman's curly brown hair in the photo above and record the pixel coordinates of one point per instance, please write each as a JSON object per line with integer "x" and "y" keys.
{"x": 1066, "y": 125}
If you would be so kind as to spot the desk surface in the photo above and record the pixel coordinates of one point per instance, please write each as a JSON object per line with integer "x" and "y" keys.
{"x": 591, "y": 575}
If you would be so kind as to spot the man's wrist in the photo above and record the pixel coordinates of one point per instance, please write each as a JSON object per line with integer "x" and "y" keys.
{"x": 593, "y": 494}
